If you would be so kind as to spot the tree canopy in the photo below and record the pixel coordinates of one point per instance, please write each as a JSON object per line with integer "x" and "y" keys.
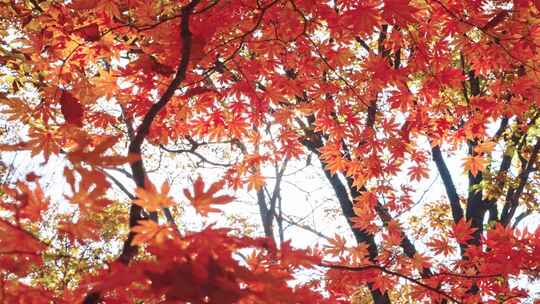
{"x": 108, "y": 99}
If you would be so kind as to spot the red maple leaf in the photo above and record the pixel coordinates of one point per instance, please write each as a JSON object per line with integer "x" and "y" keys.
{"x": 72, "y": 109}
{"x": 462, "y": 231}
{"x": 202, "y": 200}
{"x": 89, "y": 32}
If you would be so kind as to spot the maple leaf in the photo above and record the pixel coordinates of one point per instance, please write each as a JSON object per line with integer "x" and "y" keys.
{"x": 118, "y": 275}
{"x": 151, "y": 200}
{"x": 383, "y": 282}
{"x": 39, "y": 141}
{"x": 367, "y": 199}
{"x": 496, "y": 20}
{"x": 462, "y": 231}
{"x": 197, "y": 48}
{"x": 418, "y": 173}
{"x": 202, "y": 200}
{"x": 364, "y": 18}
{"x": 15, "y": 238}
{"x": 148, "y": 64}
{"x": 360, "y": 253}
{"x": 89, "y": 32}
{"x": 96, "y": 157}
{"x": 364, "y": 218}
{"x": 16, "y": 109}
{"x": 394, "y": 235}
{"x": 420, "y": 261}
{"x": 32, "y": 203}
{"x": 194, "y": 91}
{"x": 237, "y": 127}
{"x": 398, "y": 11}
{"x": 111, "y": 8}
{"x": 84, "y": 4}
{"x": 475, "y": 164}
{"x": 83, "y": 230}
{"x": 485, "y": 147}
{"x": 21, "y": 251}
{"x": 441, "y": 246}
{"x": 71, "y": 109}
{"x": 148, "y": 230}
{"x": 336, "y": 246}
{"x": 255, "y": 182}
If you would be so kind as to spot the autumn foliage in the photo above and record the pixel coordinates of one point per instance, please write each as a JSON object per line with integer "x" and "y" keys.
{"x": 385, "y": 94}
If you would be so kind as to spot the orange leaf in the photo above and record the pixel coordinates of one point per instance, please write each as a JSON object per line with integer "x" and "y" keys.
{"x": 420, "y": 261}
{"x": 151, "y": 200}
{"x": 394, "y": 235}
{"x": 202, "y": 200}
{"x": 32, "y": 202}
{"x": 475, "y": 164}
{"x": 255, "y": 181}
{"x": 147, "y": 230}
{"x": 336, "y": 246}
{"x": 485, "y": 147}
{"x": 360, "y": 252}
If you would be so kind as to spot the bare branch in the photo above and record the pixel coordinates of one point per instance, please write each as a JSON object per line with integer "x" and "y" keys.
{"x": 119, "y": 185}
{"x": 198, "y": 155}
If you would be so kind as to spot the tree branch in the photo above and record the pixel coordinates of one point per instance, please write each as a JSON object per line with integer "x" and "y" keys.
{"x": 197, "y": 154}
{"x": 305, "y": 227}
{"x": 119, "y": 185}
{"x": 347, "y": 210}
{"x": 512, "y": 201}
{"x": 137, "y": 167}
{"x": 451, "y": 192}
{"x": 393, "y": 273}
{"x": 476, "y": 207}
{"x": 36, "y": 5}
{"x": 520, "y": 218}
